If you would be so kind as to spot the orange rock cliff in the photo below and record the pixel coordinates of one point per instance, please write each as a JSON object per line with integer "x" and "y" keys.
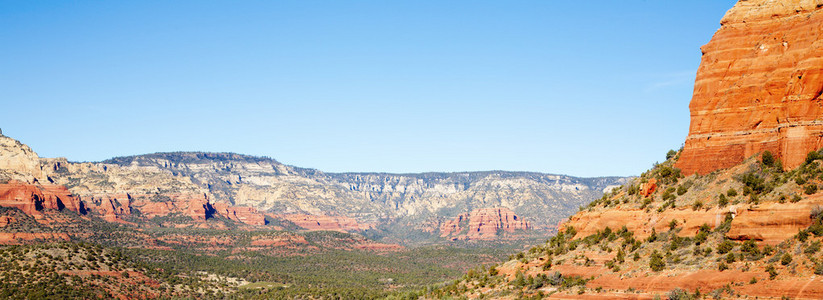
{"x": 759, "y": 87}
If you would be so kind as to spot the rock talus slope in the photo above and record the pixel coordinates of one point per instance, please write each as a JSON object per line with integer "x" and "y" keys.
{"x": 759, "y": 87}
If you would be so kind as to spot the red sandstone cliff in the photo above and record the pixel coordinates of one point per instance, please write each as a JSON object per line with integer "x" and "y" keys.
{"x": 759, "y": 87}
{"x": 248, "y": 215}
{"x": 113, "y": 207}
{"x": 314, "y": 222}
{"x": 482, "y": 224}
{"x": 33, "y": 199}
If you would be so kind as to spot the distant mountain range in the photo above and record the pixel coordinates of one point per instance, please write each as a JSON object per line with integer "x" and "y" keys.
{"x": 401, "y": 208}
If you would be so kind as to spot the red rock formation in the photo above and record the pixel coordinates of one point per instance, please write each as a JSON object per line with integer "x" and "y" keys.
{"x": 195, "y": 206}
{"x": 641, "y": 222}
{"x": 332, "y": 223}
{"x": 248, "y": 215}
{"x": 6, "y": 220}
{"x": 7, "y": 238}
{"x": 111, "y": 207}
{"x": 768, "y": 223}
{"x": 483, "y": 224}
{"x": 648, "y": 188}
{"x": 32, "y": 199}
{"x": 279, "y": 241}
{"x": 759, "y": 87}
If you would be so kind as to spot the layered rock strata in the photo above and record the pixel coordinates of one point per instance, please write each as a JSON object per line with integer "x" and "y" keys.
{"x": 34, "y": 198}
{"x": 483, "y": 224}
{"x": 759, "y": 87}
{"x": 315, "y": 223}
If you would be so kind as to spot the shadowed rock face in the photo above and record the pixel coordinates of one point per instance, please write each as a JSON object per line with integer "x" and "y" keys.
{"x": 759, "y": 87}
{"x": 33, "y": 199}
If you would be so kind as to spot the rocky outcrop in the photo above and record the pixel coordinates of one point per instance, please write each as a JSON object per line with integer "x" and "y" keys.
{"x": 648, "y": 188}
{"x": 772, "y": 223}
{"x": 110, "y": 207}
{"x": 759, "y": 87}
{"x": 6, "y": 220}
{"x": 483, "y": 224}
{"x": 12, "y": 238}
{"x": 248, "y": 215}
{"x": 196, "y": 207}
{"x": 331, "y": 223}
{"x": 18, "y": 161}
{"x": 116, "y": 207}
{"x": 34, "y": 198}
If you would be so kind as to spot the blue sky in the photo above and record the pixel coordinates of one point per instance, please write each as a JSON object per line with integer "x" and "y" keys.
{"x": 585, "y": 88}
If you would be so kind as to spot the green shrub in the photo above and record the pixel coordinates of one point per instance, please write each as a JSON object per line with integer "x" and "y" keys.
{"x": 725, "y": 247}
{"x": 697, "y": 205}
{"x": 812, "y": 248}
{"x": 656, "y": 261}
{"x": 682, "y": 189}
{"x": 701, "y": 237}
{"x": 731, "y": 192}
{"x": 678, "y": 294}
{"x": 767, "y": 159}
{"x": 750, "y": 248}
{"x": 754, "y": 199}
{"x": 722, "y": 201}
{"x": 671, "y": 154}
{"x": 633, "y": 189}
{"x": 786, "y": 259}
{"x": 668, "y": 194}
{"x": 754, "y": 182}
{"x": 652, "y": 237}
{"x": 812, "y": 156}
{"x": 722, "y": 267}
{"x": 772, "y": 272}
{"x": 730, "y": 258}
{"x": 810, "y": 189}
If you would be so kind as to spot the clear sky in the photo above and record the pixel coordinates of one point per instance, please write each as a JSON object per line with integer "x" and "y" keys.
{"x": 585, "y": 88}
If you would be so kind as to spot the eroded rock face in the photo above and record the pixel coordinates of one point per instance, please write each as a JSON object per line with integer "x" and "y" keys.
{"x": 34, "y": 198}
{"x": 18, "y": 161}
{"x": 648, "y": 188}
{"x": 483, "y": 224}
{"x": 759, "y": 87}
{"x": 248, "y": 215}
{"x": 315, "y": 222}
{"x": 11, "y": 238}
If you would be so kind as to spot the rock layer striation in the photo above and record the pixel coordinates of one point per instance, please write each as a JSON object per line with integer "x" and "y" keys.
{"x": 759, "y": 87}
